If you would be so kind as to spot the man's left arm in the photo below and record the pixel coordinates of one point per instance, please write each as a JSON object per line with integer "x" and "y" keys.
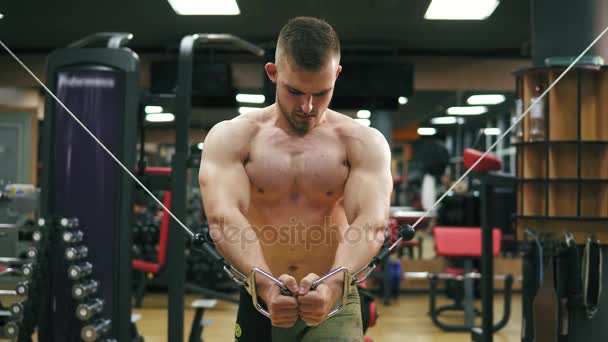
{"x": 367, "y": 196}
{"x": 366, "y": 203}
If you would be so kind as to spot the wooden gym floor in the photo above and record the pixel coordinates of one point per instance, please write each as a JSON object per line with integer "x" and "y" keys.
{"x": 404, "y": 320}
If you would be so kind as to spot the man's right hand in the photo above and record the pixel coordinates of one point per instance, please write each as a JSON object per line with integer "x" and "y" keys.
{"x": 283, "y": 309}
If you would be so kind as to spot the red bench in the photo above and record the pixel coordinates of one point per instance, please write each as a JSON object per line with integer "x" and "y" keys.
{"x": 463, "y": 243}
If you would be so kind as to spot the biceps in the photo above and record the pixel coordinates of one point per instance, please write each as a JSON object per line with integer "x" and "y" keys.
{"x": 224, "y": 188}
{"x": 367, "y": 194}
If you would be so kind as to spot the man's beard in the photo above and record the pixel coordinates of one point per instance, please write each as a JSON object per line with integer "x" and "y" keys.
{"x": 301, "y": 127}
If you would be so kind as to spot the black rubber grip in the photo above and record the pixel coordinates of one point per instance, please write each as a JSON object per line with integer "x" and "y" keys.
{"x": 407, "y": 232}
{"x": 200, "y": 243}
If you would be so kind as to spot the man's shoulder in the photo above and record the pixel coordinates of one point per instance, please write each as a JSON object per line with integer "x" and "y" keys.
{"x": 245, "y": 125}
{"x": 349, "y": 129}
{"x": 234, "y": 135}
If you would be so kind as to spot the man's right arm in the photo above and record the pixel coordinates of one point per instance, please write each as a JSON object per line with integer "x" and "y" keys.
{"x": 225, "y": 189}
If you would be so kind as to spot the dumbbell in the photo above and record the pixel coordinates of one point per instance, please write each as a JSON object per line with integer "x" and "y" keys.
{"x": 10, "y": 330}
{"x": 36, "y": 236}
{"x": 72, "y": 236}
{"x": 81, "y": 291}
{"x": 32, "y": 253}
{"x": 80, "y": 271}
{"x": 69, "y": 223}
{"x": 23, "y": 288}
{"x": 76, "y": 253}
{"x": 86, "y": 311}
{"x": 16, "y": 309}
{"x": 92, "y": 332}
{"x": 137, "y": 252}
{"x": 27, "y": 270}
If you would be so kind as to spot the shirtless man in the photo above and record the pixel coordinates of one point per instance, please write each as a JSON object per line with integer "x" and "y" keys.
{"x": 298, "y": 190}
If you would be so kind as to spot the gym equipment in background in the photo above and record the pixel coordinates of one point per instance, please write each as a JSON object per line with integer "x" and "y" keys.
{"x": 463, "y": 243}
{"x": 100, "y": 87}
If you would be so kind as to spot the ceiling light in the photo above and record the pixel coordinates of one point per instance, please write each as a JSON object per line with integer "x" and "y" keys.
{"x": 402, "y": 100}
{"x": 1, "y": 15}
{"x": 153, "y": 109}
{"x": 489, "y": 99}
{"x": 491, "y": 131}
{"x": 364, "y": 114}
{"x": 243, "y": 110}
{"x": 471, "y": 110}
{"x": 447, "y": 120}
{"x": 250, "y": 98}
{"x": 460, "y": 10}
{"x": 444, "y": 120}
{"x": 364, "y": 122}
{"x": 200, "y": 146}
{"x": 205, "y": 7}
{"x": 160, "y": 117}
{"x": 426, "y": 131}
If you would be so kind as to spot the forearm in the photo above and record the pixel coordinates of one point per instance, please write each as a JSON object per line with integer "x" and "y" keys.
{"x": 237, "y": 242}
{"x": 359, "y": 244}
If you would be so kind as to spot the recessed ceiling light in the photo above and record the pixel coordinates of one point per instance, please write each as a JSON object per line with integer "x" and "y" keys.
{"x": 471, "y": 110}
{"x": 1, "y": 15}
{"x": 250, "y": 98}
{"x": 491, "y": 131}
{"x": 205, "y": 7}
{"x": 446, "y": 120}
{"x": 364, "y": 114}
{"x": 426, "y": 131}
{"x": 402, "y": 100}
{"x": 160, "y": 117}
{"x": 153, "y": 109}
{"x": 488, "y": 99}
{"x": 243, "y": 110}
{"x": 460, "y": 10}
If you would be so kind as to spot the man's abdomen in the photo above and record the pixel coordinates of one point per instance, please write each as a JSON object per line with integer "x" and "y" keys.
{"x": 298, "y": 241}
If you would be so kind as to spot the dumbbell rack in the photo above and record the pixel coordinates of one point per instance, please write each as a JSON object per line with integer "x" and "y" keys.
{"x": 89, "y": 308}
{"x": 24, "y": 316}
{"x": 21, "y": 318}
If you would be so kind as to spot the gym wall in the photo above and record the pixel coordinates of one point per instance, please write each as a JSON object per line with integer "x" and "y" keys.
{"x": 19, "y": 113}
{"x": 432, "y": 72}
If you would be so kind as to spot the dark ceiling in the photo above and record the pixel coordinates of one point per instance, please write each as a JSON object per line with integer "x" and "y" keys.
{"x": 370, "y": 27}
{"x": 396, "y": 25}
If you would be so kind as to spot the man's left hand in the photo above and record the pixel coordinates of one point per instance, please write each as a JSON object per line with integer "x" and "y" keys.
{"x": 315, "y": 305}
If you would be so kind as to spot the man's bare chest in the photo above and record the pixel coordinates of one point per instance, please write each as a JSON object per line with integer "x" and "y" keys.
{"x": 294, "y": 167}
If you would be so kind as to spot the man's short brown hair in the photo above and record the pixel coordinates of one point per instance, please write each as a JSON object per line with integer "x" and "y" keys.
{"x": 308, "y": 42}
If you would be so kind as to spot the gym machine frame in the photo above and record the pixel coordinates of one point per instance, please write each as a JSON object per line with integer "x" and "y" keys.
{"x": 488, "y": 182}
{"x": 180, "y": 163}
{"x": 124, "y": 61}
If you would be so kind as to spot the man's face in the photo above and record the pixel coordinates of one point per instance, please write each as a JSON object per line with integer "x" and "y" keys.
{"x": 303, "y": 96}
